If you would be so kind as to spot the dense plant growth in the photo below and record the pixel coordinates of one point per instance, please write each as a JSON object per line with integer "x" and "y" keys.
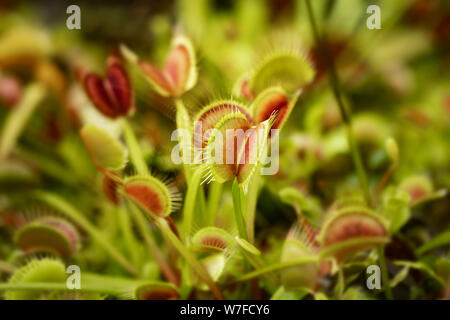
{"x": 108, "y": 136}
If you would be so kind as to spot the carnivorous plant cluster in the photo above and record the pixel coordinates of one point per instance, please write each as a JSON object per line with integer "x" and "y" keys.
{"x": 212, "y": 151}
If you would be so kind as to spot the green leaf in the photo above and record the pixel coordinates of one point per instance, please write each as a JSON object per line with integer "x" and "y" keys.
{"x": 105, "y": 151}
{"x": 44, "y": 270}
{"x": 294, "y": 294}
{"x": 396, "y": 208}
{"x": 287, "y": 69}
{"x": 399, "y": 277}
{"x": 419, "y": 265}
{"x": 440, "y": 240}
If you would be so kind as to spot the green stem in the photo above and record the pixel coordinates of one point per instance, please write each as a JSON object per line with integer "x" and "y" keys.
{"x": 360, "y": 171}
{"x": 77, "y": 217}
{"x": 344, "y": 110}
{"x": 257, "y": 263}
{"x": 183, "y": 120}
{"x": 190, "y": 203}
{"x": 143, "y": 227}
{"x": 130, "y": 240}
{"x": 44, "y": 286}
{"x": 189, "y": 257}
{"x": 238, "y": 216}
{"x": 18, "y": 117}
{"x": 123, "y": 287}
{"x": 141, "y": 167}
{"x": 250, "y": 210}
{"x": 185, "y": 139}
{"x": 384, "y": 273}
{"x": 89, "y": 283}
{"x": 136, "y": 155}
{"x": 215, "y": 192}
{"x": 277, "y": 266}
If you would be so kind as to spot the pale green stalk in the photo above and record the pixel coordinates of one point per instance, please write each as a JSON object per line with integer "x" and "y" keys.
{"x": 128, "y": 235}
{"x": 90, "y": 283}
{"x": 276, "y": 266}
{"x": 191, "y": 206}
{"x": 141, "y": 167}
{"x": 18, "y": 117}
{"x": 215, "y": 192}
{"x": 181, "y": 123}
{"x": 250, "y": 210}
{"x": 238, "y": 215}
{"x": 384, "y": 273}
{"x": 143, "y": 227}
{"x": 136, "y": 155}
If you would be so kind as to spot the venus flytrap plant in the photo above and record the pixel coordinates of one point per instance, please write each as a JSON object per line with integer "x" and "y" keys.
{"x": 179, "y": 73}
{"x": 155, "y": 199}
{"x": 279, "y": 74}
{"x": 178, "y": 76}
{"x": 72, "y": 213}
{"x": 217, "y": 247}
{"x": 189, "y": 257}
{"x": 351, "y": 229}
{"x": 210, "y": 248}
{"x": 111, "y": 95}
{"x": 271, "y": 101}
{"x": 46, "y": 279}
{"x": 156, "y": 291}
{"x": 269, "y": 108}
{"x": 212, "y": 239}
{"x": 142, "y": 225}
{"x": 418, "y": 187}
{"x": 109, "y": 187}
{"x": 285, "y": 67}
{"x": 45, "y": 270}
{"x": 50, "y": 234}
{"x": 152, "y": 195}
{"x": 300, "y": 243}
{"x": 108, "y": 154}
{"x": 248, "y": 152}
{"x": 219, "y": 116}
